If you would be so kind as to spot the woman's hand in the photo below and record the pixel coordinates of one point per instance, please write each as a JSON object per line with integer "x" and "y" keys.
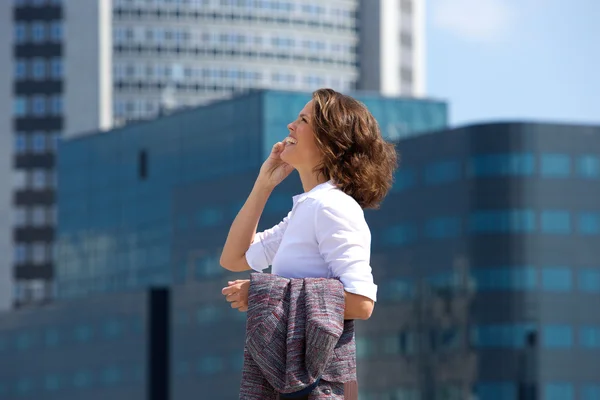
{"x": 274, "y": 170}
{"x": 237, "y": 294}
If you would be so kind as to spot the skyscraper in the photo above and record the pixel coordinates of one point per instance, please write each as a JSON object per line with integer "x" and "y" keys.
{"x": 81, "y": 66}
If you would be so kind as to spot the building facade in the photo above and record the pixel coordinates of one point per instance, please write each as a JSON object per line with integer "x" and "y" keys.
{"x": 485, "y": 253}
{"x": 83, "y": 66}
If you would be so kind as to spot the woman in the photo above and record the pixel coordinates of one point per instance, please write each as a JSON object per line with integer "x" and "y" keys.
{"x": 345, "y": 166}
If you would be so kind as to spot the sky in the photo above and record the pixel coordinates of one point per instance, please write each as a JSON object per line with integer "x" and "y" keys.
{"x": 501, "y": 60}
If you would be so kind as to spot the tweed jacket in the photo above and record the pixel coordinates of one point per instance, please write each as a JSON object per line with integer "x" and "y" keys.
{"x": 296, "y": 338}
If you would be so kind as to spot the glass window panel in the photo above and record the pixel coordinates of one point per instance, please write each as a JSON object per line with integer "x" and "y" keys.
{"x": 111, "y": 376}
{"x": 555, "y": 165}
{"x": 496, "y": 390}
{"x": 52, "y": 382}
{"x": 20, "y": 69}
{"x": 588, "y": 166}
{"x": 502, "y": 221}
{"x": 506, "y": 278}
{"x": 39, "y": 179}
{"x": 559, "y": 391}
{"x": 589, "y": 223}
{"x": 39, "y": 142}
{"x": 210, "y": 365}
{"x": 502, "y": 335}
{"x": 21, "y": 218}
{"x": 82, "y": 379}
{"x": 364, "y": 347}
{"x": 56, "y": 68}
{"x": 56, "y": 31}
{"x": 21, "y": 253}
{"x": 20, "y": 106}
{"x": 20, "y": 143}
{"x": 38, "y": 216}
{"x": 404, "y": 178}
{"x": 51, "y": 337}
{"x": 38, "y": 105}
{"x": 557, "y": 336}
{"x": 38, "y": 32}
{"x": 83, "y": 333}
{"x": 396, "y": 289}
{"x": 590, "y": 392}
{"x": 589, "y": 336}
{"x": 589, "y": 280}
{"x": 399, "y": 235}
{"x": 38, "y": 68}
{"x": 20, "y": 32}
{"x": 557, "y": 279}
{"x": 490, "y": 165}
{"x": 24, "y": 386}
{"x": 442, "y": 172}
{"x": 443, "y": 227}
{"x": 556, "y": 222}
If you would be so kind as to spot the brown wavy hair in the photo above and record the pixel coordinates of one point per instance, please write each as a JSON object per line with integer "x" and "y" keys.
{"x": 356, "y": 157}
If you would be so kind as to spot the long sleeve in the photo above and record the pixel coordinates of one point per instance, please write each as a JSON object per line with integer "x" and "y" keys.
{"x": 261, "y": 252}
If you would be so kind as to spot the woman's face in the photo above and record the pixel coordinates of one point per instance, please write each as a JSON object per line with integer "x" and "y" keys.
{"x": 301, "y": 150}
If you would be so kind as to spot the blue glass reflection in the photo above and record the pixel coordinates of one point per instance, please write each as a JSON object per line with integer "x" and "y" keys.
{"x": 505, "y": 278}
{"x": 556, "y": 222}
{"x": 589, "y": 336}
{"x": 588, "y": 166}
{"x": 496, "y": 390}
{"x": 557, "y": 279}
{"x": 557, "y": 336}
{"x": 501, "y": 335}
{"x": 589, "y": 223}
{"x": 502, "y": 221}
{"x": 490, "y": 165}
{"x": 443, "y": 227}
{"x": 555, "y": 165}
{"x": 590, "y": 392}
{"x": 442, "y": 172}
{"x": 559, "y": 391}
{"x": 589, "y": 280}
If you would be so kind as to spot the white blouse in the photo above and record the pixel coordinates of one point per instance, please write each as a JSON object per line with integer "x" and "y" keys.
{"x": 324, "y": 236}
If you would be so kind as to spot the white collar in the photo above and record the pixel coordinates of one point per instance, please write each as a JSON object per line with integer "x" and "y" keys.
{"x": 314, "y": 192}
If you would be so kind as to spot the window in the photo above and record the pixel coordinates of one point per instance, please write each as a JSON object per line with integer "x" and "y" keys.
{"x": 505, "y": 278}
{"x": 20, "y": 106}
{"x": 502, "y": 335}
{"x": 38, "y": 105}
{"x": 443, "y": 227}
{"x": 82, "y": 379}
{"x": 52, "y": 382}
{"x": 38, "y": 68}
{"x": 365, "y": 347}
{"x": 21, "y": 255}
{"x": 490, "y": 165}
{"x": 56, "y": 105}
{"x": 404, "y": 178}
{"x": 590, "y": 392}
{"x": 20, "y": 143}
{"x": 38, "y": 251}
{"x": 39, "y": 142}
{"x": 496, "y": 390}
{"x": 559, "y": 391}
{"x": 589, "y": 280}
{"x": 20, "y": 217}
{"x": 589, "y": 223}
{"x": 111, "y": 376}
{"x": 38, "y": 32}
{"x": 143, "y": 165}
{"x": 557, "y": 279}
{"x": 20, "y": 69}
{"x": 589, "y": 337}
{"x": 556, "y": 222}
{"x": 399, "y": 235}
{"x": 112, "y": 329}
{"x": 557, "y": 336}
{"x": 210, "y": 365}
{"x": 56, "y": 68}
{"x": 38, "y": 179}
{"x": 396, "y": 289}
{"x": 56, "y": 31}
{"x": 83, "y": 333}
{"x": 588, "y": 166}
{"x": 51, "y": 337}
{"x": 502, "y": 221}
{"x": 442, "y": 172}
{"x": 20, "y": 180}
{"x": 20, "y": 32}
{"x": 555, "y": 165}
{"x": 38, "y": 216}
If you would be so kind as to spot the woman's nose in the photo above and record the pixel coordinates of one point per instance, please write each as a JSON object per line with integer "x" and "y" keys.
{"x": 291, "y": 126}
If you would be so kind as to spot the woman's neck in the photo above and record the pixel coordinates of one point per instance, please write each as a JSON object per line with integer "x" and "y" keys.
{"x": 310, "y": 180}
